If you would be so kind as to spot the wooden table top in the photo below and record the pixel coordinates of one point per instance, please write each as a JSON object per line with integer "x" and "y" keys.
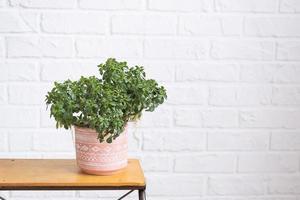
{"x": 59, "y": 174}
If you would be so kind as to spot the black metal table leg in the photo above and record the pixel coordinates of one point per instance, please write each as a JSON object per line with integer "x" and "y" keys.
{"x": 2, "y": 198}
{"x": 142, "y": 194}
{"x": 122, "y": 197}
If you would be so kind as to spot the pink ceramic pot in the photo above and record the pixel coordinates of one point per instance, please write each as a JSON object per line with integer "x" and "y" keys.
{"x": 98, "y": 158}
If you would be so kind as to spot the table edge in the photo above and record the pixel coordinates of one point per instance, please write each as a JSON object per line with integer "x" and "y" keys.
{"x": 40, "y": 186}
{"x": 125, "y": 187}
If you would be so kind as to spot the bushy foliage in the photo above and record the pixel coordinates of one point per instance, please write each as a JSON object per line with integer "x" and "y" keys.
{"x": 107, "y": 103}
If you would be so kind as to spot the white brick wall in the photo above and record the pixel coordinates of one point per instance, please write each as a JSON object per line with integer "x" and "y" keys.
{"x": 230, "y": 129}
{"x": 36, "y": 47}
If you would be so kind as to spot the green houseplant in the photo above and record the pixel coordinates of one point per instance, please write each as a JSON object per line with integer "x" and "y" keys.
{"x": 100, "y": 107}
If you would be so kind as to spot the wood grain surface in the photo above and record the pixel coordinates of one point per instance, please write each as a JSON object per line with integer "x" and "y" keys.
{"x": 63, "y": 173}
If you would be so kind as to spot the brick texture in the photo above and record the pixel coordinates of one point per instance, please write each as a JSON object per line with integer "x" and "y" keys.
{"x": 230, "y": 128}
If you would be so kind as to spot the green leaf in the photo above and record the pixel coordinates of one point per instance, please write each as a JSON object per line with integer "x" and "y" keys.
{"x": 107, "y": 103}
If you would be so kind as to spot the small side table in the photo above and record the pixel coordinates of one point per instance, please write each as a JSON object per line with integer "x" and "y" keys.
{"x": 63, "y": 174}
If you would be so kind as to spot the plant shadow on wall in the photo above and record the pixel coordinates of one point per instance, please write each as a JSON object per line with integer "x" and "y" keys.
{"x": 100, "y": 109}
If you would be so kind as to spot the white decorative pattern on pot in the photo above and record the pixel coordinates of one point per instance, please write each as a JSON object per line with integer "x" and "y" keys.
{"x": 98, "y": 158}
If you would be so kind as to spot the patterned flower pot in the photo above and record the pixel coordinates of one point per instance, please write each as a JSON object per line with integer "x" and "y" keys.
{"x": 98, "y": 158}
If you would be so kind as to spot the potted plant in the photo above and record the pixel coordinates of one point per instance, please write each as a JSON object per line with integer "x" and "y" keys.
{"x": 99, "y": 109}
